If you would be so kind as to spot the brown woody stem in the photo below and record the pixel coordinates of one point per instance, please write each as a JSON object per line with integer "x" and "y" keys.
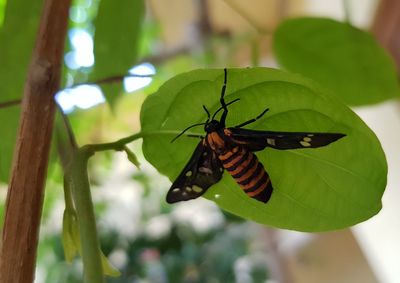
{"x": 26, "y": 186}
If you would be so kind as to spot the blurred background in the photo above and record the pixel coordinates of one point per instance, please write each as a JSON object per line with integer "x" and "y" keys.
{"x": 150, "y": 241}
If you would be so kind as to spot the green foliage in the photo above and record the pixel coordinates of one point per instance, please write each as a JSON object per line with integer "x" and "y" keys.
{"x": 17, "y": 37}
{"x": 182, "y": 256}
{"x": 132, "y": 157}
{"x": 70, "y": 235}
{"x": 314, "y": 189}
{"x": 116, "y": 43}
{"x": 72, "y": 243}
{"x": 2, "y": 6}
{"x": 344, "y": 59}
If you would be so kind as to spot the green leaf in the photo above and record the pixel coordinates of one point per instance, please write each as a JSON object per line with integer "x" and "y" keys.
{"x": 72, "y": 243}
{"x": 116, "y": 41}
{"x": 344, "y": 59}
{"x": 70, "y": 235}
{"x": 2, "y": 6}
{"x": 314, "y": 189}
{"x": 17, "y": 37}
{"x": 108, "y": 268}
{"x": 132, "y": 157}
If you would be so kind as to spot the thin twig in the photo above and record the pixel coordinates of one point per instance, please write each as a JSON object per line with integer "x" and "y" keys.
{"x": 10, "y": 103}
{"x": 119, "y": 144}
{"x": 109, "y": 80}
{"x": 247, "y": 17}
{"x": 204, "y": 24}
{"x": 282, "y": 7}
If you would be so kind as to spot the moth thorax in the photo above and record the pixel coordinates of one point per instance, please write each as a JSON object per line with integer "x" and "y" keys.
{"x": 216, "y": 142}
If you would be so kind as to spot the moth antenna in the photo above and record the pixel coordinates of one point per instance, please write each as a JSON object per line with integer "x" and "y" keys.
{"x": 188, "y": 128}
{"x": 219, "y": 109}
{"x": 208, "y": 113}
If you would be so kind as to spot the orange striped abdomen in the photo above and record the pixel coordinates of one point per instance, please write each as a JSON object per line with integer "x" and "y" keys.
{"x": 248, "y": 172}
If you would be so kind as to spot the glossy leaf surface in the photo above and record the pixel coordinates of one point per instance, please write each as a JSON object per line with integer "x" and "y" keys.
{"x": 346, "y": 60}
{"x": 116, "y": 42}
{"x": 17, "y": 37}
{"x": 314, "y": 189}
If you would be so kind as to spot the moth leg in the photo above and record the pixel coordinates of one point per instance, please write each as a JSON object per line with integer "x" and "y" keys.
{"x": 222, "y": 101}
{"x": 252, "y": 120}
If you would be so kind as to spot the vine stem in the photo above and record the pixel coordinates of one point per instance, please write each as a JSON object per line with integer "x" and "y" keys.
{"x": 78, "y": 181}
{"x": 119, "y": 144}
{"x": 78, "y": 196}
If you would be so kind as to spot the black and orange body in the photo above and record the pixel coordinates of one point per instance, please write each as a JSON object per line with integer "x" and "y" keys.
{"x": 241, "y": 164}
{"x": 232, "y": 150}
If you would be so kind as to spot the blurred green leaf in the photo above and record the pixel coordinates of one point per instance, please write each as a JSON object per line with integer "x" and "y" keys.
{"x": 314, "y": 189}
{"x": 132, "y": 157}
{"x": 108, "y": 268}
{"x": 70, "y": 235}
{"x": 72, "y": 243}
{"x": 116, "y": 41}
{"x": 344, "y": 59}
{"x": 17, "y": 37}
{"x": 2, "y": 8}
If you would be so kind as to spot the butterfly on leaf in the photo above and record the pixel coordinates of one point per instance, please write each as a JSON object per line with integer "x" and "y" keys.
{"x": 232, "y": 150}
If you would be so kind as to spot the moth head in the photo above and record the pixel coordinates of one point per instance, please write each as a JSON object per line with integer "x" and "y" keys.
{"x": 212, "y": 126}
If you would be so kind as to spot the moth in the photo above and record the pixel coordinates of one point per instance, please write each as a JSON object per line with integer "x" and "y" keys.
{"x": 232, "y": 150}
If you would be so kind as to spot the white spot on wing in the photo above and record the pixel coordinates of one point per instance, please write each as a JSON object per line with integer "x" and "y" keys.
{"x": 176, "y": 190}
{"x": 306, "y": 139}
{"x": 305, "y": 144}
{"x": 271, "y": 141}
{"x": 197, "y": 189}
{"x": 188, "y": 173}
{"x": 205, "y": 170}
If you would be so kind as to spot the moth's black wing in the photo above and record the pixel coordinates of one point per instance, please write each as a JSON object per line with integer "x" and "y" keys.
{"x": 258, "y": 140}
{"x": 202, "y": 171}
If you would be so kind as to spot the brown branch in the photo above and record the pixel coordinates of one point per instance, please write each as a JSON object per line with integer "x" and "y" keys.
{"x": 155, "y": 60}
{"x": 109, "y": 80}
{"x": 112, "y": 79}
{"x": 204, "y": 24}
{"x": 10, "y": 103}
{"x": 247, "y": 17}
{"x": 386, "y": 27}
{"x": 26, "y": 186}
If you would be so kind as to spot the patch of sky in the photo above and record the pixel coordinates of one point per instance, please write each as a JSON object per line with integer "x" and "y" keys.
{"x": 83, "y": 97}
{"x": 81, "y": 56}
{"x": 134, "y": 83}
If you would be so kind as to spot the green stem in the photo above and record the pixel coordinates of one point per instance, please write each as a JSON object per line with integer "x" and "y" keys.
{"x": 69, "y": 204}
{"x": 78, "y": 180}
{"x": 77, "y": 193}
{"x": 119, "y": 144}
